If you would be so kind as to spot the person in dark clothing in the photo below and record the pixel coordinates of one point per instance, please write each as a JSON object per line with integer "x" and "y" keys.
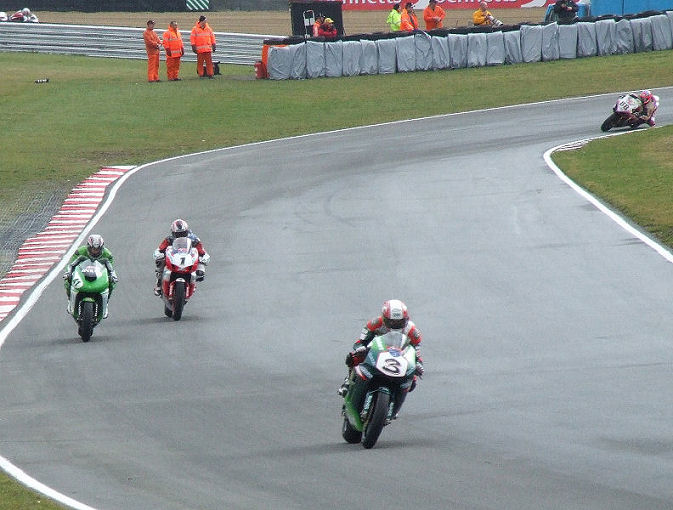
{"x": 565, "y": 10}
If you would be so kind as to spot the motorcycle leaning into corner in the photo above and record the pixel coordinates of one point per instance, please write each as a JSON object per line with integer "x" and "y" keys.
{"x": 625, "y": 113}
{"x": 182, "y": 268}
{"x": 378, "y": 387}
{"x": 89, "y": 288}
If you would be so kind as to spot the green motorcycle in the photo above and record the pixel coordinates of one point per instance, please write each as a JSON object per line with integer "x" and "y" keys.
{"x": 377, "y": 388}
{"x": 89, "y": 292}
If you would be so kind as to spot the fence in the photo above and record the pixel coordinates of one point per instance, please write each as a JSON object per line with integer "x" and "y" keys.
{"x": 117, "y": 42}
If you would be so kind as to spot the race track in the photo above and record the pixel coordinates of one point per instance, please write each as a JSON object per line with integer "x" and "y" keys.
{"x": 546, "y": 327}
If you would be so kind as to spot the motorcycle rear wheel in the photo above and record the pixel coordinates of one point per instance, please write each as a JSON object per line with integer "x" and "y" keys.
{"x": 376, "y": 420}
{"x": 178, "y": 300}
{"x": 610, "y": 122}
{"x": 86, "y": 321}
{"x": 350, "y": 434}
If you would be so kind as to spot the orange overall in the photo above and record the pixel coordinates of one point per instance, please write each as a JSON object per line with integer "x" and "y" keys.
{"x": 174, "y": 50}
{"x": 152, "y": 44}
{"x": 203, "y": 43}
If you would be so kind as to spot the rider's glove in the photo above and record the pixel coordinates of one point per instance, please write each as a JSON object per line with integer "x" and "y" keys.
{"x": 66, "y": 275}
{"x": 356, "y": 357}
{"x": 419, "y": 369}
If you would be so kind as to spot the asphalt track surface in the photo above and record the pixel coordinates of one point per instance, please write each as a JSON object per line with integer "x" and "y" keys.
{"x": 546, "y": 332}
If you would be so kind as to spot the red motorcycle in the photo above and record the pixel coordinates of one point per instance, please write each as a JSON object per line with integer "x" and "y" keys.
{"x": 625, "y": 113}
{"x": 179, "y": 276}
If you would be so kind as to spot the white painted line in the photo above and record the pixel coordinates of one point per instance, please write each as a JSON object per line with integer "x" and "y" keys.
{"x": 618, "y": 219}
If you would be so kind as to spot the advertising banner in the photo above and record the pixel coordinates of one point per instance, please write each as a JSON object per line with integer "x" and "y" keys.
{"x": 447, "y": 5}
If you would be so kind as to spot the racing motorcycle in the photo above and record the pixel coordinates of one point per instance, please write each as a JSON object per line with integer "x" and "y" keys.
{"x": 179, "y": 278}
{"x": 89, "y": 295}
{"x": 625, "y": 113}
{"x": 375, "y": 390}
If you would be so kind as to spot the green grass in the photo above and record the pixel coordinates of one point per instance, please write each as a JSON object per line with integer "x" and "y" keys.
{"x": 97, "y": 112}
{"x": 632, "y": 173}
{"x": 13, "y": 496}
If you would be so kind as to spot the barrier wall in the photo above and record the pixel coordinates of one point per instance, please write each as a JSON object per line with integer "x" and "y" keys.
{"x": 384, "y": 53}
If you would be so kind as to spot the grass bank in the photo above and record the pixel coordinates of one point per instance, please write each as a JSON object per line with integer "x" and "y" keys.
{"x": 634, "y": 174}
{"x": 96, "y": 112}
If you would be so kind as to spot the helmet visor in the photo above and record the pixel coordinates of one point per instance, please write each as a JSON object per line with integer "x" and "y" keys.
{"x": 395, "y": 323}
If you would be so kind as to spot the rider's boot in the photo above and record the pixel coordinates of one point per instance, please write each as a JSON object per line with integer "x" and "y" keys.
{"x": 157, "y": 287}
{"x": 104, "y": 302}
{"x": 343, "y": 389}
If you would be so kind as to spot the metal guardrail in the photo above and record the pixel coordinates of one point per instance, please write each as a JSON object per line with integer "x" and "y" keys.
{"x": 117, "y": 42}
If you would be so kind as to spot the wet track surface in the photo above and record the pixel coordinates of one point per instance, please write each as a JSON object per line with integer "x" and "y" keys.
{"x": 546, "y": 332}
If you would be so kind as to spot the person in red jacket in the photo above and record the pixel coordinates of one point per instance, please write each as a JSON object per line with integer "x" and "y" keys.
{"x": 327, "y": 29}
{"x": 408, "y": 21}
{"x": 152, "y": 45}
{"x": 179, "y": 228}
{"x": 318, "y": 23}
{"x": 394, "y": 316}
{"x": 202, "y": 40}
{"x": 433, "y": 15}
{"x": 175, "y": 49}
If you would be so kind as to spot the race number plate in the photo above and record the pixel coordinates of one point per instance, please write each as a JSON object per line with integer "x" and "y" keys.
{"x": 392, "y": 363}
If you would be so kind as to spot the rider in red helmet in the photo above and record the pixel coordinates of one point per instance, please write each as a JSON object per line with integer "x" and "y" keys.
{"x": 394, "y": 316}
{"x": 650, "y": 104}
{"x": 179, "y": 228}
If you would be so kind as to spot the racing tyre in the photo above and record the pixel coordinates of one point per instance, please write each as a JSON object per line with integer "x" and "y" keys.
{"x": 350, "y": 434}
{"x": 609, "y": 123}
{"x": 376, "y": 420}
{"x": 86, "y": 321}
{"x": 178, "y": 300}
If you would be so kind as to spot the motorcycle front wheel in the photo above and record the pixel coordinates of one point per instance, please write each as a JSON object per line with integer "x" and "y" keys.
{"x": 609, "y": 123}
{"x": 178, "y": 300}
{"x": 86, "y": 321}
{"x": 376, "y": 420}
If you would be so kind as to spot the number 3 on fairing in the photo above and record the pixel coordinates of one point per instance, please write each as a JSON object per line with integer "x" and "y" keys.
{"x": 394, "y": 366}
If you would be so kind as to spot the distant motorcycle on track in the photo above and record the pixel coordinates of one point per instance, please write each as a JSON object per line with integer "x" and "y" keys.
{"x": 179, "y": 278}
{"x": 89, "y": 296}
{"x": 625, "y": 113}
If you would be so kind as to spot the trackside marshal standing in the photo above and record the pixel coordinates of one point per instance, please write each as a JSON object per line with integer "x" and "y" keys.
{"x": 203, "y": 44}
{"x": 152, "y": 45}
{"x": 174, "y": 50}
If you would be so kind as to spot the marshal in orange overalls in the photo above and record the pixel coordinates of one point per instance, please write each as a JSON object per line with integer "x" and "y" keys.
{"x": 152, "y": 45}
{"x": 174, "y": 50}
{"x": 202, "y": 40}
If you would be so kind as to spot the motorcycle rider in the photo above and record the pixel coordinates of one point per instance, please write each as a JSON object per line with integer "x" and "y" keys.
{"x": 179, "y": 228}
{"x": 93, "y": 249}
{"x": 24, "y": 15}
{"x": 650, "y": 103}
{"x": 394, "y": 317}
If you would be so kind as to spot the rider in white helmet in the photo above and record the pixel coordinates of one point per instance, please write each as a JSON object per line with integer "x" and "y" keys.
{"x": 394, "y": 316}
{"x": 650, "y": 104}
{"x": 93, "y": 249}
{"x": 179, "y": 228}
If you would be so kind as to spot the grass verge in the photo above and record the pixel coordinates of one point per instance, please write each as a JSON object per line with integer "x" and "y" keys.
{"x": 634, "y": 174}
{"x": 96, "y": 112}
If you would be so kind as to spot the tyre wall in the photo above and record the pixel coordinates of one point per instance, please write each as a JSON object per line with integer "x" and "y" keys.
{"x": 469, "y": 47}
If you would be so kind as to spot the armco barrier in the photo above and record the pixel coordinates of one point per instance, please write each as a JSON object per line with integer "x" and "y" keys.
{"x": 296, "y": 58}
{"x": 117, "y": 42}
